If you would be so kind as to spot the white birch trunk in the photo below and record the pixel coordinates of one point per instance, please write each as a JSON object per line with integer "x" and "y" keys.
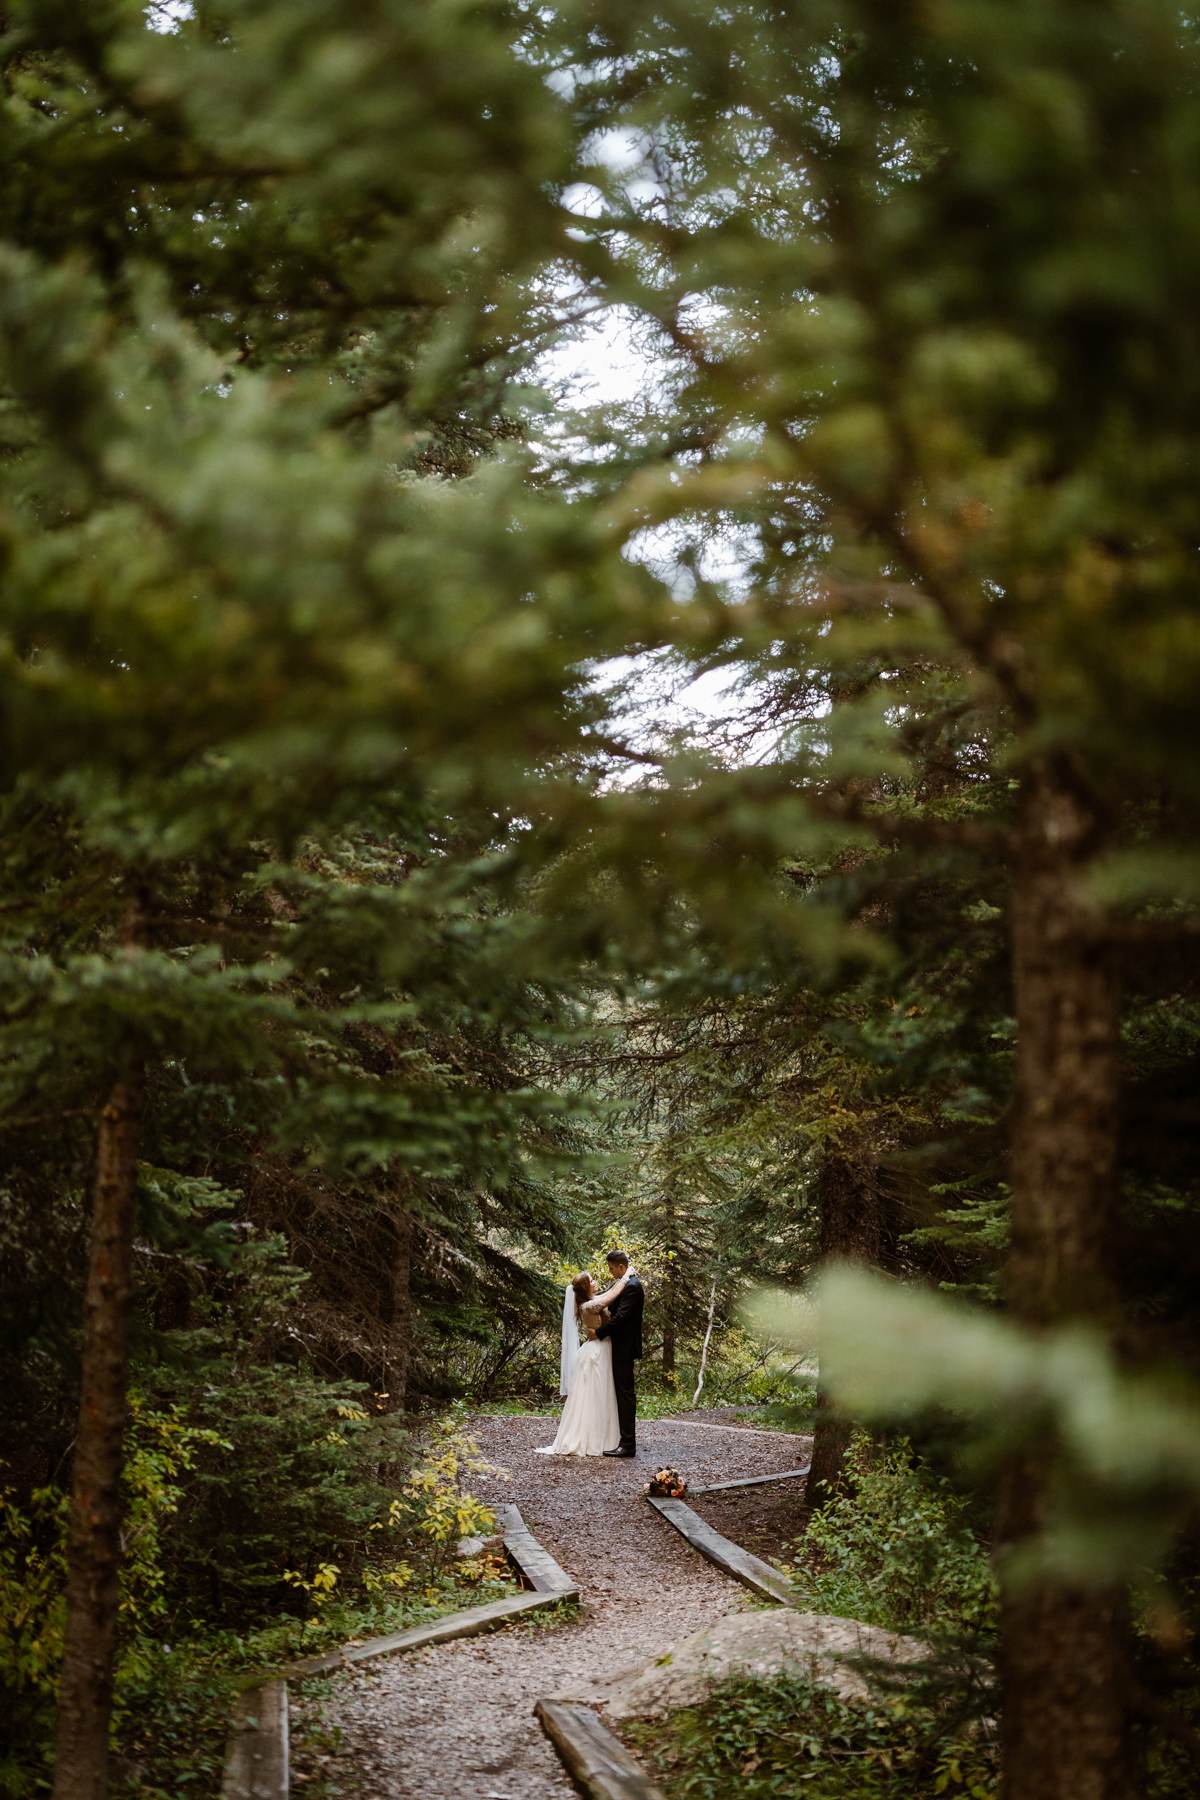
{"x": 712, "y": 1313}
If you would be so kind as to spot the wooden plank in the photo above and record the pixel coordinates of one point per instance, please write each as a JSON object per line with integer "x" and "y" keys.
{"x": 457, "y": 1625}
{"x": 256, "y": 1758}
{"x": 307, "y": 1665}
{"x": 439, "y": 1631}
{"x": 597, "y": 1761}
{"x": 723, "y": 1487}
{"x": 750, "y": 1570}
{"x": 758, "y": 1431}
{"x": 532, "y": 1559}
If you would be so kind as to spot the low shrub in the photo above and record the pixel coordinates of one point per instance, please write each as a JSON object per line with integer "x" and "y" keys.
{"x": 295, "y": 1473}
{"x": 161, "y": 1450}
{"x": 894, "y": 1548}
{"x": 787, "y": 1736}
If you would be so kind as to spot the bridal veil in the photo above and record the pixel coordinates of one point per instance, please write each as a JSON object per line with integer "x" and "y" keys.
{"x": 570, "y": 1343}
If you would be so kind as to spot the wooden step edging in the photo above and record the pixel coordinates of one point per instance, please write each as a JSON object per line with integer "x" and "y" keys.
{"x": 598, "y": 1762}
{"x": 534, "y": 1562}
{"x": 256, "y": 1759}
{"x": 256, "y": 1755}
{"x": 750, "y": 1570}
{"x": 723, "y": 1487}
{"x": 758, "y": 1431}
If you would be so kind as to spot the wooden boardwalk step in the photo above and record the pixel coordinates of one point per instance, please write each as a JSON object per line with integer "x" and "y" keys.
{"x": 723, "y": 1487}
{"x": 750, "y": 1570}
{"x": 256, "y": 1760}
{"x": 597, "y": 1761}
{"x": 535, "y": 1563}
{"x": 439, "y": 1631}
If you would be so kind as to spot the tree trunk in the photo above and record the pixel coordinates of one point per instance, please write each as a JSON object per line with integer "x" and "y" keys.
{"x": 850, "y": 1227}
{"x": 399, "y": 1310}
{"x": 1063, "y": 1648}
{"x": 712, "y": 1313}
{"x": 670, "y": 1281}
{"x": 670, "y": 1301}
{"x": 94, "y": 1538}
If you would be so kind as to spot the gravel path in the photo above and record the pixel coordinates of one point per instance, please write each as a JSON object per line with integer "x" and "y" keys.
{"x": 455, "y": 1722}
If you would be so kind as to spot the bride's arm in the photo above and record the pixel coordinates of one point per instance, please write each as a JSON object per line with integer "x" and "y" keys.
{"x": 607, "y": 1298}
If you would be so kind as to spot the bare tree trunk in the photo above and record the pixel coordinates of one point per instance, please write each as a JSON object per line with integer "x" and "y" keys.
{"x": 94, "y": 1540}
{"x": 670, "y": 1302}
{"x": 670, "y": 1291}
{"x": 712, "y": 1313}
{"x": 850, "y": 1227}
{"x": 399, "y": 1310}
{"x": 1063, "y": 1647}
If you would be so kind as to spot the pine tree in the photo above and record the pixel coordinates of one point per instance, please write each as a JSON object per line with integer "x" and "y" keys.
{"x": 259, "y": 276}
{"x": 889, "y": 266}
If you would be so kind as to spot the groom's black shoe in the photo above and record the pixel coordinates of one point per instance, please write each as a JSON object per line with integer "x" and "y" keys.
{"x": 620, "y": 1452}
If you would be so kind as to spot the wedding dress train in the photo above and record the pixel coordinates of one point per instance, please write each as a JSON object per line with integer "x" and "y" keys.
{"x": 589, "y": 1425}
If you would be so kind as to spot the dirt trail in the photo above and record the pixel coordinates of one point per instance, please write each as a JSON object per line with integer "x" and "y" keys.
{"x": 455, "y": 1722}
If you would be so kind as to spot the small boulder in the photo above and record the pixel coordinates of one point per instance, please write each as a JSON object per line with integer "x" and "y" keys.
{"x": 755, "y": 1644}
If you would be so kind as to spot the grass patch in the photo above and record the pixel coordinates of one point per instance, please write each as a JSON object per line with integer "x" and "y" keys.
{"x": 547, "y": 1618}
{"x": 515, "y": 1408}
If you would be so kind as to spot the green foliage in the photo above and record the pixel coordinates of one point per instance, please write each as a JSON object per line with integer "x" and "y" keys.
{"x": 301, "y": 1474}
{"x": 741, "y": 1373}
{"x": 256, "y": 345}
{"x": 182, "y": 1591}
{"x": 32, "y": 1577}
{"x": 786, "y": 1736}
{"x": 163, "y": 1450}
{"x": 1126, "y": 1445}
{"x": 895, "y": 1547}
{"x": 774, "y": 1399}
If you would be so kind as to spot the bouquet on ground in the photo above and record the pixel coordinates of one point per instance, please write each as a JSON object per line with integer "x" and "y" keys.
{"x": 667, "y": 1484}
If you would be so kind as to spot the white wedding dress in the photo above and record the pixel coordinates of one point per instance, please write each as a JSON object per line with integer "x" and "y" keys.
{"x": 589, "y": 1425}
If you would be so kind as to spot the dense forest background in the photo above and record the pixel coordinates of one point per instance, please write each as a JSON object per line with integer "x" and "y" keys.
{"x": 393, "y": 917}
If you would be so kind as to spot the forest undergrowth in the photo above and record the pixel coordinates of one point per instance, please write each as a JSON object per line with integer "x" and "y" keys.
{"x": 350, "y": 1531}
{"x": 900, "y": 1546}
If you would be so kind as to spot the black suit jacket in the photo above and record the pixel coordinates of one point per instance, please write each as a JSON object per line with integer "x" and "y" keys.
{"x": 624, "y": 1323}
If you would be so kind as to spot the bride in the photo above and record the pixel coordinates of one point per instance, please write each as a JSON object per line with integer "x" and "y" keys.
{"x": 589, "y": 1424}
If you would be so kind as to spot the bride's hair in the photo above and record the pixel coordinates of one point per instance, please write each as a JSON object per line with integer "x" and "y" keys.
{"x": 583, "y": 1292}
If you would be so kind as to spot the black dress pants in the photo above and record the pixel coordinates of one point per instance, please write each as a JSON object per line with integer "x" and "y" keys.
{"x": 623, "y": 1372}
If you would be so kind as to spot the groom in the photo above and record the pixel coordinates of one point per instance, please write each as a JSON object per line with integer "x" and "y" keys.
{"x": 624, "y": 1327}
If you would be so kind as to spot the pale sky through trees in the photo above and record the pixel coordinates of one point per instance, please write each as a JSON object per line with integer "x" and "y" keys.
{"x": 604, "y": 364}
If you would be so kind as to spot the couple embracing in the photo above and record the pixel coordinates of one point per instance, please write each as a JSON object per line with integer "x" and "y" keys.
{"x": 596, "y": 1377}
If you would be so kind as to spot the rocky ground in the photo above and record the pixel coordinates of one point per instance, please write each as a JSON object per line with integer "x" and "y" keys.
{"x": 457, "y": 1720}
